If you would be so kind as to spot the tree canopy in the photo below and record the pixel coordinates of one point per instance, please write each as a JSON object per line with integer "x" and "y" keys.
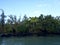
{"x": 41, "y": 25}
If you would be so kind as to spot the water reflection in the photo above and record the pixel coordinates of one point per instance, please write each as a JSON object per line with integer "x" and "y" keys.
{"x": 30, "y": 41}
{"x": 0, "y": 40}
{"x": 11, "y": 41}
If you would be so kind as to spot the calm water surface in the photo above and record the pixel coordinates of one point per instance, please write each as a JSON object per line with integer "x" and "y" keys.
{"x": 30, "y": 41}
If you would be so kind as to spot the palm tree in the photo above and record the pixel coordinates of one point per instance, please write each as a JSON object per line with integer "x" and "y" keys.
{"x": 2, "y": 19}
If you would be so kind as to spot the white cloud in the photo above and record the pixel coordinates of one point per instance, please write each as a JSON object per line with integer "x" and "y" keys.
{"x": 41, "y": 5}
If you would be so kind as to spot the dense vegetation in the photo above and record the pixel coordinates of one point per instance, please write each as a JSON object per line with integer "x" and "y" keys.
{"x": 32, "y": 26}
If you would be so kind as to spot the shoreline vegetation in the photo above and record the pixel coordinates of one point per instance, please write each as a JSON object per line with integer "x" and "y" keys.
{"x": 29, "y": 26}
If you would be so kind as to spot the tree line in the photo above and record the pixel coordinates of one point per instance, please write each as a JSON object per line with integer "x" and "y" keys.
{"x": 32, "y": 26}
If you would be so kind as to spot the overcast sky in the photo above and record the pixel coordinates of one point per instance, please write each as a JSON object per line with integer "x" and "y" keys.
{"x": 30, "y": 7}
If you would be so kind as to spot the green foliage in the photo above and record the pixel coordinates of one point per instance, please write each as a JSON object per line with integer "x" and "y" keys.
{"x": 37, "y": 25}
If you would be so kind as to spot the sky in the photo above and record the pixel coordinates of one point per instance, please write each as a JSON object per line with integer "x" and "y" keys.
{"x": 30, "y": 7}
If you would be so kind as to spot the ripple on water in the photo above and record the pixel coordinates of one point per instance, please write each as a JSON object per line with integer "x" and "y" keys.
{"x": 31, "y": 41}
